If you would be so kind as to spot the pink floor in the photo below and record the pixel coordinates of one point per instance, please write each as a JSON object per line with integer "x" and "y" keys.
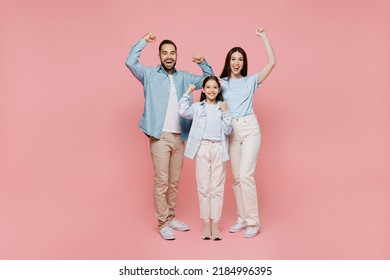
{"x": 112, "y": 224}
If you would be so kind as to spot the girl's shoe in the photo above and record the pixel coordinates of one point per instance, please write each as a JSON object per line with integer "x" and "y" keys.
{"x": 215, "y": 233}
{"x": 206, "y": 233}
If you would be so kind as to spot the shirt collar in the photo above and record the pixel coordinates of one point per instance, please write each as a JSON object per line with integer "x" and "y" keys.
{"x": 160, "y": 68}
{"x": 203, "y": 103}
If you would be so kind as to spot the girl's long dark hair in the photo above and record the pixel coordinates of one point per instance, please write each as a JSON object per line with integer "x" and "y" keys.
{"x": 203, "y": 95}
{"x": 226, "y": 68}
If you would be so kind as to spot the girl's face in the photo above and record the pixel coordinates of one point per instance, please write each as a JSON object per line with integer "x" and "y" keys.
{"x": 236, "y": 64}
{"x": 211, "y": 91}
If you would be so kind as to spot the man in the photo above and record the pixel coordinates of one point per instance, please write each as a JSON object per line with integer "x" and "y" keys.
{"x": 163, "y": 88}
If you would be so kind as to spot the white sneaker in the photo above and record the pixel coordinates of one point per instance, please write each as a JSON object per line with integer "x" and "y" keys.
{"x": 167, "y": 233}
{"x": 237, "y": 227}
{"x": 252, "y": 231}
{"x": 178, "y": 225}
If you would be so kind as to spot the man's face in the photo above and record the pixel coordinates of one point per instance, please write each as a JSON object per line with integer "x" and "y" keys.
{"x": 168, "y": 57}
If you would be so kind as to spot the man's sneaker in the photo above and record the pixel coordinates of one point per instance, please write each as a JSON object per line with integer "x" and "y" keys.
{"x": 167, "y": 233}
{"x": 252, "y": 231}
{"x": 237, "y": 227}
{"x": 178, "y": 225}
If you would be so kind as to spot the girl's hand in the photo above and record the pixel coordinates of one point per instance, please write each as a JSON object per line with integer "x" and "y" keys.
{"x": 197, "y": 58}
{"x": 224, "y": 106}
{"x": 261, "y": 33}
{"x": 150, "y": 38}
{"x": 190, "y": 89}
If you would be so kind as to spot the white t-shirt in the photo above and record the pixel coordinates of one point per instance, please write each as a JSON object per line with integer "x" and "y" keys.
{"x": 172, "y": 119}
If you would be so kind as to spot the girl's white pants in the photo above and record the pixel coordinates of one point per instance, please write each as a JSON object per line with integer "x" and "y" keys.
{"x": 210, "y": 178}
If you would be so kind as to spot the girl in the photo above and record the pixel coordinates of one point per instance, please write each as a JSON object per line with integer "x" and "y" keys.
{"x": 238, "y": 90}
{"x": 208, "y": 144}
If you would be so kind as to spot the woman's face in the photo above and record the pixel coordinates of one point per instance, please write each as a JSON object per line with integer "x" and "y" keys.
{"x": 236, "y": 64}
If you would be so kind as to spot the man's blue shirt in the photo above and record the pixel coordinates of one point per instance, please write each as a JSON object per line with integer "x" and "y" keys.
{"x": 156, "y": 90}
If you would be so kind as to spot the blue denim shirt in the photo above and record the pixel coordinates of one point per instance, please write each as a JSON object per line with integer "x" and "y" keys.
{"x": 197, "y": 112}
{"x": 156, "y": 90}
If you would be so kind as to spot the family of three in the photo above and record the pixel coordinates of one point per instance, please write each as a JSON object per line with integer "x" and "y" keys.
{"x": 221, "y": 126}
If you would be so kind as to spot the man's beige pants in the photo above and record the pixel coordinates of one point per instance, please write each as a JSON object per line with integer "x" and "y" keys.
{"x": 167, "y": 156}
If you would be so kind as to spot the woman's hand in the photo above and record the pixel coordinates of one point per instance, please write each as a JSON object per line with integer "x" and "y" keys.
{"x": 261, "y": 33}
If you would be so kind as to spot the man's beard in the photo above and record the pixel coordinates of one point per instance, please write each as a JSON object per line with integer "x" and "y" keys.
{"x": 170, "y": 67}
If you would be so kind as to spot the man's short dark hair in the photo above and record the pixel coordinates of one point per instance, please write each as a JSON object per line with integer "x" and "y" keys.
{"x": 165, "y": 42}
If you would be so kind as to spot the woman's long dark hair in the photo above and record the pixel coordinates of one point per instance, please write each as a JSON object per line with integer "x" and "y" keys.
{"x": 219, "y": 97}
{"x": 226, "y": 68}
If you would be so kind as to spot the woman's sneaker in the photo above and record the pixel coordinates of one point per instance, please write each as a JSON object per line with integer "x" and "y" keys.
{"x": 252, "y": 231}
{"x": 237, "y": 227}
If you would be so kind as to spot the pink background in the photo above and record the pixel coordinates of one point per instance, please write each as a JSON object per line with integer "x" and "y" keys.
{"x": 76, "y": 176}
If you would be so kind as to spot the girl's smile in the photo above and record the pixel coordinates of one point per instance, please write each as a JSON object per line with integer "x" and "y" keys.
{"x": 211, "y": 90}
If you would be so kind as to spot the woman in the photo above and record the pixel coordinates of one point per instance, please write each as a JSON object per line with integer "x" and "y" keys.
{"x": 238, "y": 90}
